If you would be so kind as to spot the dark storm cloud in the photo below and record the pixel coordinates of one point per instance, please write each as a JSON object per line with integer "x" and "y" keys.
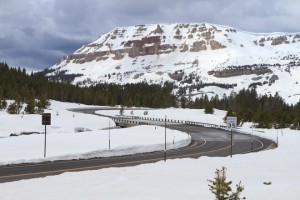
{"x": 37, "y": 33}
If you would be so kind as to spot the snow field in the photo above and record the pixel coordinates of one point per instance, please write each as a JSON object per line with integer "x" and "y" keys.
{"x": 24, "y": 149}
{"x": 64, "y": 142}
{"x": 178, "y": 178}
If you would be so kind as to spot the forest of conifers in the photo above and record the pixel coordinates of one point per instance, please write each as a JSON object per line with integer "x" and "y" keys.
{"x": 17, "y": 84}
{"x": 35, "y": 90}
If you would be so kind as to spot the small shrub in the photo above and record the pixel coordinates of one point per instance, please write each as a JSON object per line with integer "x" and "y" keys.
{"x": 221, "y": 188}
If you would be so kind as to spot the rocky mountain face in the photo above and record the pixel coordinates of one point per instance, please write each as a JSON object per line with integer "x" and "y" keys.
{"x": 196, "y": 58}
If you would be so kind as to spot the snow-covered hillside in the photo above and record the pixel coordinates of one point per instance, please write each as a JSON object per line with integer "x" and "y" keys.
{"x": 174, "y": 179}
{"x": 76, "y": 136}
{"x": 212, "y": 59}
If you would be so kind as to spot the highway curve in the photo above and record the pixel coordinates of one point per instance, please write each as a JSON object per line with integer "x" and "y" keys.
{"x": 205, "y": 142}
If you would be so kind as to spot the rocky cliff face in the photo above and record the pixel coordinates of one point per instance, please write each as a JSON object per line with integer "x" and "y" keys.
{"x": 148, "y": 40}
{"x": 188, "y": 55}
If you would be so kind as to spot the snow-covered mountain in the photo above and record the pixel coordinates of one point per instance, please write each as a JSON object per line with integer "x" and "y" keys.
{"x": 197, "y": 58}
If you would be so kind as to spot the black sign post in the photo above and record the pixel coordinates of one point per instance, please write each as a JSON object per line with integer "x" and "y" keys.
{"x": 109, "y": 134}
{"x": 46, "y": 120}
{"x": 165, "y": 138}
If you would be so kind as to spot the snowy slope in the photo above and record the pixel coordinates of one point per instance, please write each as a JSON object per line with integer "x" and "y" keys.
{"x": 188, "y": 54}
{"x": 174, "y": 179}
{"x": 65, "y": 142}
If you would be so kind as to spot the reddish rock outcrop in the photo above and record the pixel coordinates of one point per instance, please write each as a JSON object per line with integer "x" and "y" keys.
{"x": 279, "y": 40}
{"x": 240, "y": 71}
{"x": 198, "y": 46}
{"x": 216, "y": 45}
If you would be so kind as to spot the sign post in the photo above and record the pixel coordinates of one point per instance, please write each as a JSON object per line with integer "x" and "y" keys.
{"x": 46, "y": 120}
{"x": 231, "y": 124}
{"x": 165, "y": 138}
{"x": 109, "y": 134}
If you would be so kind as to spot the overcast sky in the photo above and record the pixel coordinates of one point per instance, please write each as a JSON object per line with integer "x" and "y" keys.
{"x": 37, "y": 33}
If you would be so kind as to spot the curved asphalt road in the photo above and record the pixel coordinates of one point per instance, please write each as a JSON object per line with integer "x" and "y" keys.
{"x": 205, "y": 142}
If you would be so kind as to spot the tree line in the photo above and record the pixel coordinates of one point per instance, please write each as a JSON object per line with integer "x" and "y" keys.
{"x": 266, "y": 111}
{"x": 35, "y": 90}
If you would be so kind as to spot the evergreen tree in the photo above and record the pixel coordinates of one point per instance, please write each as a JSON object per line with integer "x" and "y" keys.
{"x": 183, "y": 102}
{"x": 13, "y": 108}
{"x": 209, "y": 109}
{"x": 262, "y": 118}
{"x": 296, "y": 123}
{"x": 40, "y": 107}
{"x": 122, "y": 110}
{"x": 236, "y": 195}
{"x": 229, "y": 113}
{"x": 3, "y": 104}
{"x": 221, "y": 188}
{"x": 30, "y": 108}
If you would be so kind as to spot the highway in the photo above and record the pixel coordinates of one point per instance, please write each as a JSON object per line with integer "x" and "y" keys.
{"x": 205, "y": 142}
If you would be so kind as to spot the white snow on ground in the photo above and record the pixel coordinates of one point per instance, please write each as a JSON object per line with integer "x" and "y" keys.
{"x": 89, "y": 144}
{"x": 65, "y": 143}
{"x": 63, "y": 121}
{"x": 179, "y": 178}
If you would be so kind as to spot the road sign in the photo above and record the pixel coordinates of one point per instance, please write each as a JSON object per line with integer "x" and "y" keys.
{"x": 231, "y": 122}
{"x": 46, "y": 119}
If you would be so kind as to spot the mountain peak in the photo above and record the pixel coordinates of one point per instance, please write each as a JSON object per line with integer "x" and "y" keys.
{"x": 207, "y": 58}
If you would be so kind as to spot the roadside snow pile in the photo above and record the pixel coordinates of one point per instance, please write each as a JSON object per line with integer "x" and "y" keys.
{"x": 62, "y": 121}
{"x": 77, "y": 136}
{"x": 176, "y": 179}
{"x": 83, "y": 145}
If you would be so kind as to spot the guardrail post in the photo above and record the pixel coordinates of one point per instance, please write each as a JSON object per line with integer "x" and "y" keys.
{"x": 109, "y": 135}
{"x": 231, "y": 143}
{"x": 165, "y": 138}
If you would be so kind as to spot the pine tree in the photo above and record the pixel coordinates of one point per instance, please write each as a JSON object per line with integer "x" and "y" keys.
{"x": 18, "y": 103}
{"x": 236, "y": 195}
{"x": 40, "y": 107}
{"x": 262, "y": 117}
{"x": 183, "y": 102}
{"x": 209, "y": 109}
{"x": 296, "y": 123}
{"x": 30, "y": 108}
{"x": 13, "y": 108}
{"x": 121, "y": 110}
{"x": 221, "y": 188}
{"x": 3, "y": 104}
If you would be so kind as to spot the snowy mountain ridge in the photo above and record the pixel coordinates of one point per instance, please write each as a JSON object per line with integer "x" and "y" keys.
{"x": 197, "y": 58}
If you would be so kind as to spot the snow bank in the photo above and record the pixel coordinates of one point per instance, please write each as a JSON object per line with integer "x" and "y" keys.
{"x": 65, "y": 142}
{"x": 25, "y": 149}
{"x": 174, "y": 179}
{"x": 62, "y": 121}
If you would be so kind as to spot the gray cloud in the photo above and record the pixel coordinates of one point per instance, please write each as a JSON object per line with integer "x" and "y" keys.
{"x": 37, "y": 33}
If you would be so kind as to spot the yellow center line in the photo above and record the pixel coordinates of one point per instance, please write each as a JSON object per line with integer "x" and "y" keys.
{"x": 108, "y": 165}
{"x": 124, "y": 163}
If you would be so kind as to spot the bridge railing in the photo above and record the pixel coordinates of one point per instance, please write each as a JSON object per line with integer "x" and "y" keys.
{"x": 205, "y": 124}
{"x": 132, "y": 121}
{"x": 127, "y": 119}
